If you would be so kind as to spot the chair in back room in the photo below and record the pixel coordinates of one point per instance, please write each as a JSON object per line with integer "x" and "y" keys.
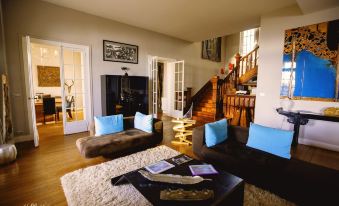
{"x": 49, "y": 107}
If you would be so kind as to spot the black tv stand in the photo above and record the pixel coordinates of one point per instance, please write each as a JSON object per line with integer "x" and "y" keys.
{"x": 124, "y": 94}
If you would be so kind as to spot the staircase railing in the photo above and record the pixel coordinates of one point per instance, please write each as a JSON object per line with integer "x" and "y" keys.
{"x": 222, "y": 87}
{"x": 243, "y": 64}
{"x": 197, "y": 96}
{"x": 247, "y": 62}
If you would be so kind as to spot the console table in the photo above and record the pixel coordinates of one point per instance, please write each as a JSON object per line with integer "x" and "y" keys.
{"x": 300, "y": 118}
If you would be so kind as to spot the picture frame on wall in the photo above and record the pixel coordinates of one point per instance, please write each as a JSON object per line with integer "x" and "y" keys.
{"x": 48, "y": 76}
{"x": 120, "y": 52}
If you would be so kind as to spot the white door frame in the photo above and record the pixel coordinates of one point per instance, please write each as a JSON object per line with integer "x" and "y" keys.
{"x": 88, "y": 78}
{"x": 27, "y": 63}
{"x": 171, "y": 98}
{"x": 179, "y": 113}
{"x": 82, "y": 125}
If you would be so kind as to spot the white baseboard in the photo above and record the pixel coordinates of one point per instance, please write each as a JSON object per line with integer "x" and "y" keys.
{"x": 316, "y": 143}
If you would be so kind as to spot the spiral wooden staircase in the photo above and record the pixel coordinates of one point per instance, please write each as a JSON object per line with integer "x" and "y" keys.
{"x": 217, "y": 98}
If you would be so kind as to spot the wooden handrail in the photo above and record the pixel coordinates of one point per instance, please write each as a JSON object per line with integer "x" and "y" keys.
{"x": 251, "y": 52}
{"x": 197, "y": 96}
{"x": 219, "y": 87}
{"x": 247, "y": 62}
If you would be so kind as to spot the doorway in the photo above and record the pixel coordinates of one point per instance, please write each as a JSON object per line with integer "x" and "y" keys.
{"x": 167, "y": 80}
{"x": 57, "y": 81}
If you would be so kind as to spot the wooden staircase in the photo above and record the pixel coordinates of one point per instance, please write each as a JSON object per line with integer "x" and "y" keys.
{"x": 204, "y": 102}
{"x": 217, "y": 98}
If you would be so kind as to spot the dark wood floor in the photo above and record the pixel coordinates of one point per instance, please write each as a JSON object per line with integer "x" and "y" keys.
{"x": 34, "y": 179}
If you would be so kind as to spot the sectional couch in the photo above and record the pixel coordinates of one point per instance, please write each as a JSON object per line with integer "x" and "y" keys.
{"x": 295, "y": 180}
{"x": 128, "y": 141}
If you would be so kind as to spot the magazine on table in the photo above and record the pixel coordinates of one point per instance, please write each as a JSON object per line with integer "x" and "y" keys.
{"x": 159, "y": 167}
{"x": 204, "y": 169}
{"x": 182, "y": 159}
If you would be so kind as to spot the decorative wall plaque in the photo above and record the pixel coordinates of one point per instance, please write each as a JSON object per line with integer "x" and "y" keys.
{"x": 48, "y": 76}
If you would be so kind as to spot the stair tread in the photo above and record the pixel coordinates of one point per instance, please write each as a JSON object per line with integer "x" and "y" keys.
{"x": 208, "y": 105}
{"x": 249, "y": 84}
{"x": 204, "y": 114}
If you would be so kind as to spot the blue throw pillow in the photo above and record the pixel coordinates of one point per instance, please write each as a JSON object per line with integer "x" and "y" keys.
{"x": 215, "y": 132}
{"x": 274, "y": 141}
{"x": 143, "y": 122}
{"x": 108, "y": 124}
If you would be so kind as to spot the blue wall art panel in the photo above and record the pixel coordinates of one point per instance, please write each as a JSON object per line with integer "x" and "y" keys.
{"x": 310, "y": 62}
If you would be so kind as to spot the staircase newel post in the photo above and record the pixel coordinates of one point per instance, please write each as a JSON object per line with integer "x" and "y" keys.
{"x": 237, "y": 68}
{"x": 214, "y": 82}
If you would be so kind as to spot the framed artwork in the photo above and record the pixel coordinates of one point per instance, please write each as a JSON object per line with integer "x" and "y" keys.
{"x": 310, "y": 62}
{"x": 211, "y": 49}
{"x": 48, "y": 76}
{"x": 120, "y": 52}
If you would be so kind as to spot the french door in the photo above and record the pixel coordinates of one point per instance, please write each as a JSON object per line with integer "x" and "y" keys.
{"x": 76, "y": 91}
{"x": 179, "y": 70}
{"x": 175, "y": 89}
{"x": 75, "y": 86}
{"x": 154, "y": 82}
{"x": 27, "y": 60}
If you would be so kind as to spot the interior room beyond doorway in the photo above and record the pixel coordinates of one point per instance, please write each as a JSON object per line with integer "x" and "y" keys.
{"x": 48, "y": 88}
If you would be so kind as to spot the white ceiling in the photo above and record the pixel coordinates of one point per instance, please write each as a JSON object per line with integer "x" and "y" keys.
{"x": 191, "y": 20}
{"x": 309, "y": 6}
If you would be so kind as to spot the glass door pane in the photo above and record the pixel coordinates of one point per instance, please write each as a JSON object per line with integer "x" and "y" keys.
{"x": 154, "y": 79}
{"x": 75, "y": 92}
{"x": 178, "y": 88}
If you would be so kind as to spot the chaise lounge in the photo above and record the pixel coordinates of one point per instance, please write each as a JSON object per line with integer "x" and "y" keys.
{"x": 298, "y": 181}
{"x": 128, "y": 141}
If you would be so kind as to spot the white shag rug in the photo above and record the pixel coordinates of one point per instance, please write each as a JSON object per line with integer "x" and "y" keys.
{"x": 92, "y": 185}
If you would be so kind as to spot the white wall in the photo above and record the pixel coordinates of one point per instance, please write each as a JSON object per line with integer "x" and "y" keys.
{"x": 319, "y": 133}
{"x": 48, "y": 58}
{"x": 232, "y": 42}
{"x": 47, "y": 21}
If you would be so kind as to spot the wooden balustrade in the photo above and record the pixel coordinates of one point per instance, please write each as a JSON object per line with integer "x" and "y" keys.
{"x": 228, "y": 86}
{"x": 240, "y": 109}
{"x": 222, "y": 93}
{"x": 197, "y": 96}
{"x": 246, "y": 63}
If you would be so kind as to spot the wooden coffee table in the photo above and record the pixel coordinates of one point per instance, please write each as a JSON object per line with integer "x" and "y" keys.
{"x": 228, "y": 189}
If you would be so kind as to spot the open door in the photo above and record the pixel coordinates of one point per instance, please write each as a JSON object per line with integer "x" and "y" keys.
{"x": 179, "y": 88}
{"x": 76, "y": 93}
{"x": 27, "y": 60}
{"x": 154, "y": 82}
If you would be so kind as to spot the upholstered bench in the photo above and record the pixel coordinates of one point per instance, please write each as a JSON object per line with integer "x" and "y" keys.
{"x": 127, "y": 141}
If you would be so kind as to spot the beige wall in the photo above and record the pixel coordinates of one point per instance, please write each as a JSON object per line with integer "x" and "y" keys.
{"x": 3, "y": 69}
{"x": 48, "y": 58}
{"x": 232, "y": 48}
{"x": 319, "y": 133}
{"x": 47, "y": 21}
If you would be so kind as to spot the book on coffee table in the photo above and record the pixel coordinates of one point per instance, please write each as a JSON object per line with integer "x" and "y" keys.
{"x": 203, "y": 169}
{"x": 182, "y": 159}
{"x": 159, "y": 167}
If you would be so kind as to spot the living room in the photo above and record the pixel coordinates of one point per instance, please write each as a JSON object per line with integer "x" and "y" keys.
{"x": 173, "y": 31}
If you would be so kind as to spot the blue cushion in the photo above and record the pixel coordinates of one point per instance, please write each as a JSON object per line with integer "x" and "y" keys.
{"x": 215, "y": 132}
{"x": 108, "y": 124}
{"x": 143, "y": 122}
{"x": 274, "y": 141}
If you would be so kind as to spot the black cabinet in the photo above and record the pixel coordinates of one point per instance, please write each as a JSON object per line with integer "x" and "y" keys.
{"x": 124, "y": 94}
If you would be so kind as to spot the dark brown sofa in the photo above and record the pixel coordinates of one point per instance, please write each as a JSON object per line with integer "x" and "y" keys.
{"x": 128, "y": 141}
{"x": 295, "y": 180}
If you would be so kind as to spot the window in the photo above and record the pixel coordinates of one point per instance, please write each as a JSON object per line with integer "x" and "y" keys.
{"x": 248, "y": 40}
